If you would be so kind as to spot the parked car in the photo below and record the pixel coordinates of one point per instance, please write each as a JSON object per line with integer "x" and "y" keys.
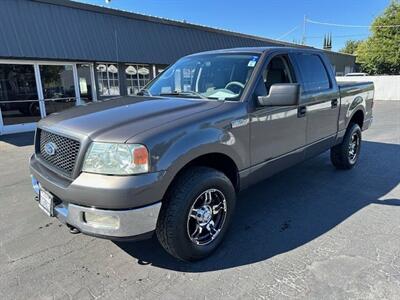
{"x": 174, "y": 159}
{"x": 356, "y": 74}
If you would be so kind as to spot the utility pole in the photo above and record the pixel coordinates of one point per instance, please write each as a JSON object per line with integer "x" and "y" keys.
{"x": 303, "y": 40}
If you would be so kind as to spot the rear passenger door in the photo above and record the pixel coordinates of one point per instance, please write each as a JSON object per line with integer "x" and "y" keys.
{"x": 319, "y": 100}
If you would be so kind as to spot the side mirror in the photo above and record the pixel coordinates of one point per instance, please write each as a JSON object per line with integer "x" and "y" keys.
{"x": 281, "y": 94}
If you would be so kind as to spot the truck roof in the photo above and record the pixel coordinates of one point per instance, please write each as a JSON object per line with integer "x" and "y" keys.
{"x": 257, "y": 50}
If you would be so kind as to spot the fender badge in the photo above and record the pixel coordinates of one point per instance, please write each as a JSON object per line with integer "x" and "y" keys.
{"x": 239, "y": 123}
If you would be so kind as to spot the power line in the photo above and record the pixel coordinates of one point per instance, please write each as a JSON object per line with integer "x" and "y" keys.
{"x": 287, "y": 33}
{"x": 351, "y": 26}
{"x": 337, "y": 36}
{"x": 333, "y": 36}
{"x": 306, "y": 20}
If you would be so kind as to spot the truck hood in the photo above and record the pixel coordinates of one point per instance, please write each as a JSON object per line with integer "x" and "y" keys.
{"x": 119, "y": 119}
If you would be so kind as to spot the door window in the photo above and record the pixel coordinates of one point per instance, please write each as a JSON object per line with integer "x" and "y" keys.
{"x": 277, "y": 71}
{"x": 58, "y": 87}
{"x": 85, "y": 82}
{"x": 313, "y": 72}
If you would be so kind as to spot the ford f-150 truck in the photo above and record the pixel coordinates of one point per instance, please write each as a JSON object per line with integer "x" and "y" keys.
{"x": 172, "y": 159}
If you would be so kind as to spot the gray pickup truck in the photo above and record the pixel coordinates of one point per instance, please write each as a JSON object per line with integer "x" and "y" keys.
{"x": 173, "y": 159}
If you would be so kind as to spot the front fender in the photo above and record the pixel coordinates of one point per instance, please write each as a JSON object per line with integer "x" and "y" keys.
{"x": 201, "y": 142}
{"x": 177, "y": 151}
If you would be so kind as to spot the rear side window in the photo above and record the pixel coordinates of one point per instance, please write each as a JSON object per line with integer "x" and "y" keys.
{"x": 313, "y": 72}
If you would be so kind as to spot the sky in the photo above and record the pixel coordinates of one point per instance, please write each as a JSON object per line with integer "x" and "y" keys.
{"x": 267, "y": 18}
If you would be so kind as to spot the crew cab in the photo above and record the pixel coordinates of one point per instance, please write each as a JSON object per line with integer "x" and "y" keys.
{"x": 173, "y": 158}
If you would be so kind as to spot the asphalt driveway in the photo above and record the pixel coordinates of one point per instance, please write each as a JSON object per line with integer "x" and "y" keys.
{"x": 310, "y": 232}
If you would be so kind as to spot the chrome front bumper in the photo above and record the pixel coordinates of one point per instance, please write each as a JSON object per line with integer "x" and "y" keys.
{"x": 132, "y": 222}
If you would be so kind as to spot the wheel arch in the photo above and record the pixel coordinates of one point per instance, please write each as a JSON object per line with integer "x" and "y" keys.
{"x": 216, "y": 160}
{"x": 357, "y": 117}
{"x": 356, "y": 112}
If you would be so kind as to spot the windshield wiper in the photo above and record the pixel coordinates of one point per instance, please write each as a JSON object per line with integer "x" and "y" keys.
{"x": 187, "y": 93}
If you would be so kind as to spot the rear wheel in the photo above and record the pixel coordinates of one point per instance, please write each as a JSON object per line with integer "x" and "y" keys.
{"x": 345, "y": 155}
{"x": 196, "y": 213}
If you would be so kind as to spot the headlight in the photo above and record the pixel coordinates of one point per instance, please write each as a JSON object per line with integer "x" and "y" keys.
{"x": 116, "y": 159}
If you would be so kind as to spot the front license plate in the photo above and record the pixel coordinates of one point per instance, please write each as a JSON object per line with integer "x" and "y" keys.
{"x": 46, "y": 202}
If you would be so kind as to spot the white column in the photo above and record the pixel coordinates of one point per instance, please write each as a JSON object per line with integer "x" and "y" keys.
{"x": 39, "y": 88}
{"x": 154, "y": 71}
{"x": 76, "y": 84}
{"x": 93, "y": 80}
{"x": 1, "y": 122}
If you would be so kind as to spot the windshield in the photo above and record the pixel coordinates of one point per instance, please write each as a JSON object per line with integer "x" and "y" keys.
{"x": 207, "y": 76}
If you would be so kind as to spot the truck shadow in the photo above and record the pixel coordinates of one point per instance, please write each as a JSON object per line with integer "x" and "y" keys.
{"x": 19, "y": 139}
{"x": 291, "y": 209}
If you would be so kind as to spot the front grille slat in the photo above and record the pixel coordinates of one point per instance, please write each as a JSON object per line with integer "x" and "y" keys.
{"x": 66, "y": 153}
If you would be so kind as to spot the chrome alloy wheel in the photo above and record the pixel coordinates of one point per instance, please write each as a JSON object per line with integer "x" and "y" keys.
{"x": 206, "y": 217}
{"x": 354, "y": 147}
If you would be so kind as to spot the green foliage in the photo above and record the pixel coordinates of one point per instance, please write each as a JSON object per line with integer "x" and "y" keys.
{"x": 380, "y": 53}
{"x": 350, "y": 47}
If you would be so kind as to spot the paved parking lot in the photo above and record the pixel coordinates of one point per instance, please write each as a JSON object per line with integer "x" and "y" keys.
{"x": 310, "y": 232}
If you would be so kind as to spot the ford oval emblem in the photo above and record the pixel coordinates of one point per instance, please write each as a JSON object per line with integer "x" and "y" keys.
{"x": 50, "y": 149}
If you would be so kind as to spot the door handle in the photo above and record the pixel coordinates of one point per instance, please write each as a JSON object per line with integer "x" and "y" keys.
{"x": 334, "y": 103}
{"x": 301, "y": 111}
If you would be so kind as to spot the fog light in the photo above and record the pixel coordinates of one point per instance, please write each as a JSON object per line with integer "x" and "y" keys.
{"x": 35, "y": 185}
{"x": 101, "y": 221}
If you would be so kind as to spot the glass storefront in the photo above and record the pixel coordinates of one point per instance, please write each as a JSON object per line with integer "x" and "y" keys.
{"x": 58, "y": 87}
{"x": 30, "y": 90}
{"x": 137, "y": 76}
{"x": 19, "y": 101}
{"x": 108, "y": 79}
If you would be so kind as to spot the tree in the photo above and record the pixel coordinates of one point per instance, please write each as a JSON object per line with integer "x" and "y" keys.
{"x": 380, "y": 53}
{"x": 350, "y": 47}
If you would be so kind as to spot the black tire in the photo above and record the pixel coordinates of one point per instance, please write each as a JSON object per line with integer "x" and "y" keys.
{"x": 341, "y": 156}
{"x": 173, "y": 221}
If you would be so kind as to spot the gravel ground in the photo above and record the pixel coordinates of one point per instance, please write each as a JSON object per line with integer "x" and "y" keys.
{"x": 309, "y": 232}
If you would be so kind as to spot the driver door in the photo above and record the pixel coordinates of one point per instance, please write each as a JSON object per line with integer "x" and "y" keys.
{"x": 278, "y": 133}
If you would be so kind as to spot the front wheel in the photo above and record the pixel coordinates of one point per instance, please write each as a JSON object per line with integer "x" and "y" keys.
{"x": 345, "y": 155}
{"x": 196, "y": 213}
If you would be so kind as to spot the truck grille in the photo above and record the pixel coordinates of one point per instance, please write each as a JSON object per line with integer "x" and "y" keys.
{"x": 65, "y": 154}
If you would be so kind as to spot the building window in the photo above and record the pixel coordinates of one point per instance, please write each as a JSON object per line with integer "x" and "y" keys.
{"x": 19, "y": 101}
{"x": 137, "y": 76}
{"x": 108, "y": 79}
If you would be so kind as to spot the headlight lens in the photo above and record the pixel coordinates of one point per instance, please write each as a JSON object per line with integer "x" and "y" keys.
{"x": 116, "y": 159}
